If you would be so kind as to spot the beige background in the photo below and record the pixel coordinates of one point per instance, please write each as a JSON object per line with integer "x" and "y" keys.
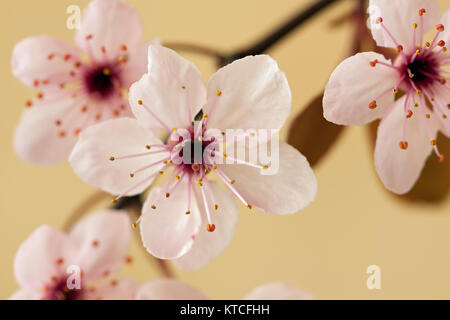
{"x": 325, "y": 249}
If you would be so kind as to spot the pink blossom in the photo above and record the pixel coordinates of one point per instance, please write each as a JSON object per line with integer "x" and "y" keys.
{"x": 123, "y": 156}
{"x": 79, "y": 85}
{"x": 97, "y": 245}
{"x": 362, "y": 88}
{"x": 170, "y": 289}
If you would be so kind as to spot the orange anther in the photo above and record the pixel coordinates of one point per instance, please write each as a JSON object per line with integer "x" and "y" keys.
{"x": 373, "y": 104}
{"x": 210, "y": 227}
{"x": 403, "y": 145}
{"x": 440, "y": 27}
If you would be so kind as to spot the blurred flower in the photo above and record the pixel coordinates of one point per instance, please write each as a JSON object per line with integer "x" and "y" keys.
{"x": 360, "y": 89}
{"x": 169, "y": 289}
{"x": 250, "y": 93}
{"x": 78, "y": 85}
{"x": 49, "y": 264}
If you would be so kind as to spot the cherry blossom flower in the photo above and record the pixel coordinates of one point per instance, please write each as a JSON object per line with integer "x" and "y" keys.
{"x": 170, "y": 289}
{"x": 123, "y": 156}
{"x": 44, "y": 262}
{"x": 80, "y": 85}
{"x": 362, "y": 88}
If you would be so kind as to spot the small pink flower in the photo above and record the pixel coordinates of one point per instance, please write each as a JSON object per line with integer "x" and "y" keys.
{"x": 251, "y": 93}
{"x": 97, "y": 245}
{"x": 170, "y": 289}
{"x": 78, "y": 85}
{"x": 361, "y": 88}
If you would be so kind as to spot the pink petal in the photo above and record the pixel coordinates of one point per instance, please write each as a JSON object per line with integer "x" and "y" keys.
{"x": 443, "y": 95}
{"x": 91, "y": 155}
{"x": 171, "y": 88}
{"x": 399, "y": 169}
{"x": 254, "y": 93}
{"x": 137, "y": 64}
{"x": 208, "y": 245}
{"x": 168, "y": 289}
{"x": 168, "y": 232}
{"x": 399, "y": 17}
{"x": 102, "y": 241}
{"x": 37, "y": 139}
{"x": 352, "y": 87}
{"x": 30, "y": 59}
{"x": 27, "y": 294}
{"x": 114, "y": 289}
{"x": 278, "y": 291}
{"x": 43, "y": 255}
{"x": 111, "y": 23}
{"x": 289, "y": 190}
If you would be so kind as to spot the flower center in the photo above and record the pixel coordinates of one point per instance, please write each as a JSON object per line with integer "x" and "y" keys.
{"x": 60, "y": 291}
{"x": 100, "y": 81}
{"x": 423, "y": 71}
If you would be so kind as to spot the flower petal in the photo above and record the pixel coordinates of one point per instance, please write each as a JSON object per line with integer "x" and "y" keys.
{"x": 278, "y": 291}
{"x": 352, "y": 87}
{"x": 399, "y": 169}
{"x": 37, "y": 139}
{"x": 168, "y": 289}
{"x": 399, "y": 17}
{"x": 254, "y": 94}
{"x": 43, "y": 255}
{"x": 445, "y": 20}
{"x": 30, "y": 59}
{"x": 90, "y": 157}
{"x": 289, "y": 190}
{"x": 442, "y": 96}
{"x": 168, "y": 232}
{"x": 136, "y": 65}
{"x": 27, "y": 294}
{"x": 172, "y": 86}
{"x": 111, "y": 23}
{"x": 102, "y": 241}
{"x": 115, "y": 289}
{"x": 208, "y": 245}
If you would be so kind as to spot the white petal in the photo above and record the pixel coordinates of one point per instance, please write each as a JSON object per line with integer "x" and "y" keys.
{"x": 254, "y": 94}
{"x": 172, "y": 86}
{"x": 289, "y": 190}
{"x": 353, "y": 85}
{"x": 278, "y": 291}
{"x": 168, "y": 289}
{"x": 399, "y": 169}
{"x": 168, "y": 232}
{"x": 37, "y": 259}
{"x": 208, "y": 245}
{"x": 112, "y": 23}
{"x": 399, "y": 17}
{"x": 102, "y": 241}
{"x": 90, "y": 158}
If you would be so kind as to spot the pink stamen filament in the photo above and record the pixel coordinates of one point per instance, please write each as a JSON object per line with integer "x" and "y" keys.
{"x": 163, "y": 125}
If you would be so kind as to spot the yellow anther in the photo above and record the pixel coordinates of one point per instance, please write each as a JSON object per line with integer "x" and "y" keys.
{"x": 431, "y": 99}
{"x": 265, "y": 166}
{"x": 428, "y": 116}
{"x": 148, "y": 147}
{"x": 200, "y": 184}
{"x": 427, "y": 44}
{"x": 183, "y": 87}
{"x": 166, "y": 162}
{"x": 395, "y": 91}
{"x": 177, "y": 177}
{"x": 134, "y": 225}
{"x": 112, "y": 158}
{"x": 417, "y": 51}
{"x": 188, "y": 212}
{"x": 444, "y": 116}
{"x": 444, "y": 49}
{"x": 411, "y": 75}
{"x": 418, "y": 91}
{"x": 200, "y": 179}
{"x": 153, "y": 207}
{"x": 200, "y": 138}
{"x": 207, "y": 170}
{"x": 222, "y": 133}
{"x": 249, "y": 206}
{"x": 416, "y": 105}
{"x": 214, "y": 166}
{"x": 167, "y": 195}
{"x": 205, "y": 116}
{"x": 170, "y": 161}
{"x": 224, "y": 155}
{"x": 139, "y": 102}
{"x": 433, "y": 142}
{"x": 106, "y": 72}
{"x": 174, "y": 129}
{"x": 113, "y": 200}
{"x": 232, "y": 181}
{"x": 216, "y": 207}
{"x": 161, "y": 172}
{"x": 415, "y": 25}
{"x": 219, "y": 93}
{"x": 252, "y": 134}
{"x": 132, "y": 175}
